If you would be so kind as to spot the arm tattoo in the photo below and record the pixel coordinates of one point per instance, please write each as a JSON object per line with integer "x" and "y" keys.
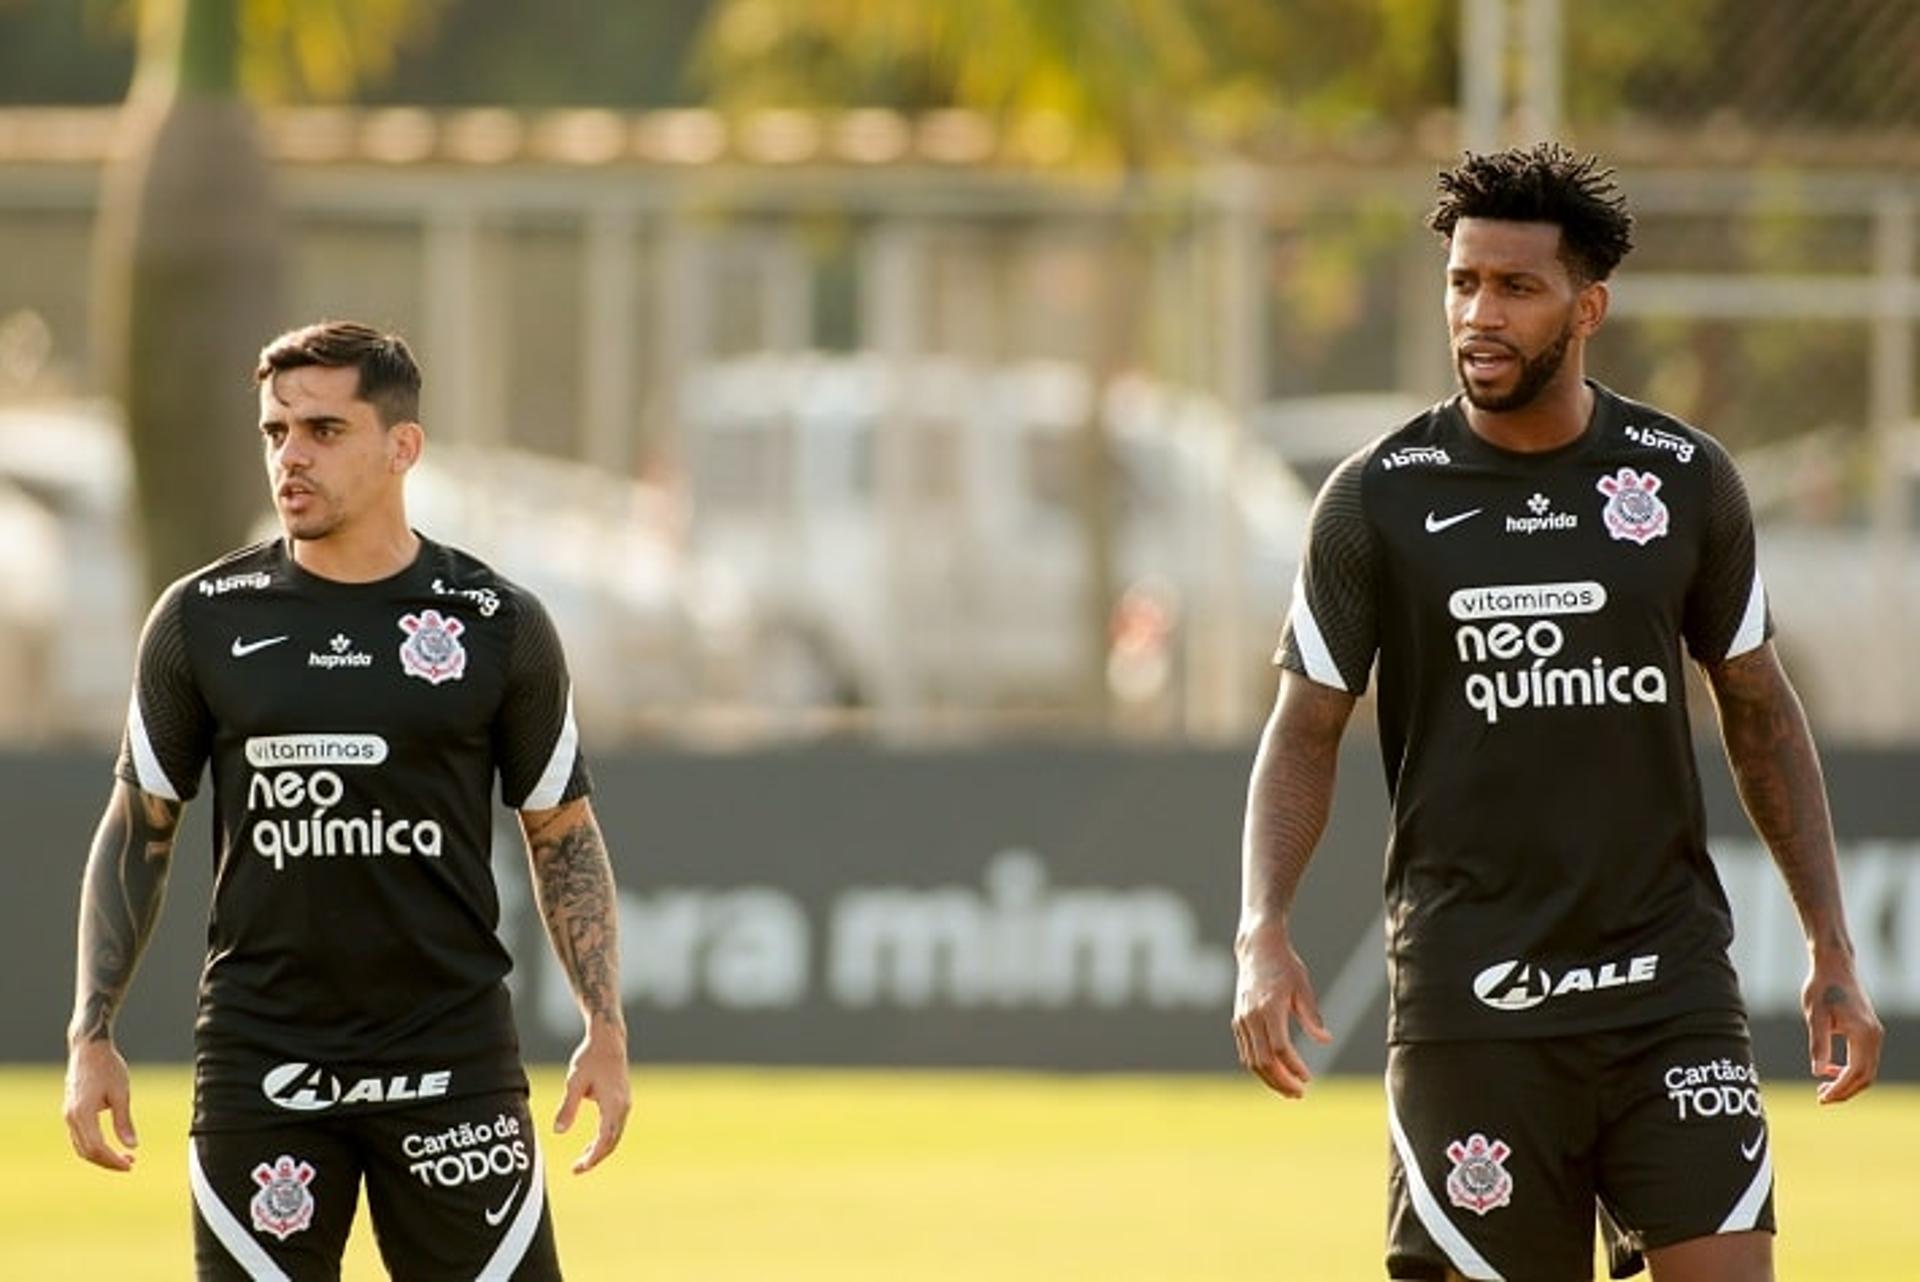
{"x": 120, "y": 898}
{"x": 1777, "y": 770}
{"x": 574, "y": 883}
{"x": 1290, "y": 793}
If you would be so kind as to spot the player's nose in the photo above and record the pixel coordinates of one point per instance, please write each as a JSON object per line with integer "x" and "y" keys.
{"x": 1481, "y": 311}
{"x": 293, "y": 456}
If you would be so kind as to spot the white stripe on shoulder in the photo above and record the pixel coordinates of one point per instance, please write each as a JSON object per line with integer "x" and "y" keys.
{"x": 1466, "y": 1261}
{"x": 146, "y": 763}
{"x": 1746, "y": 1212}
{"x": 519, "y": 1236}
{"x": 1753, "y": 624}
{"x": 546, "y": 794}
{"x": 246, "y": 1252}
{"x": 1313, "y": 646}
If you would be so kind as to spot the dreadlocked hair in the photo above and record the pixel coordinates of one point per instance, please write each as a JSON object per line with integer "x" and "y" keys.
{"x": 1545, "y": 183}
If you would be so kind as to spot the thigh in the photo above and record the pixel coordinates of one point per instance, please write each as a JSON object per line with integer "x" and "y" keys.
{"x": 457, "y": 1190}
{"x": 1490, "y": 1170}
{"x": 1724, "y": 1257}
{"x": 1684, "y": 1151}
{"x": 274, "y": 1203}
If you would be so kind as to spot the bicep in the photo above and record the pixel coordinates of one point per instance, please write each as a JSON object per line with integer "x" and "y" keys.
{"x": 1750, "y": 681}
{"x": 1311, "y": 714}
{"x": 138, "y": 828}
{"x": 543, "y": 825}
{"x": 564, "y": 843}
{"x": 1305, "y": 727}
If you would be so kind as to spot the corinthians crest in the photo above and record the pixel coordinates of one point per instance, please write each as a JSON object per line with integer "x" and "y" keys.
{"x": 432, "y": 650}
{"x": 1633, "y": 511}
{"x": 284, "y": 1204}
{"x": 1479, "y": 1182}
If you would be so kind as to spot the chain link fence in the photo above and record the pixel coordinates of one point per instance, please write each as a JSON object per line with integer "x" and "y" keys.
{"x": 740, "y": 325}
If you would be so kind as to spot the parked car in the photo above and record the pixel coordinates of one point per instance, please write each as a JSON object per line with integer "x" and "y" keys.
{"x": 644, "y": 632}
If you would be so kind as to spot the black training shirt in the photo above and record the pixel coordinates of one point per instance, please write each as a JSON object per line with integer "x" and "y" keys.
{"x": 1547, "y": 870}
{"x": 355, "y": 732}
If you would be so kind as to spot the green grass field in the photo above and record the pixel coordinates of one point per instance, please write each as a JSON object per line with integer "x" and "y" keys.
{"x": 734, "y": 1175}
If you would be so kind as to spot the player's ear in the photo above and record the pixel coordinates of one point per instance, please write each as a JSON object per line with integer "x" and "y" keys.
{"x": 404, "y": 444}
{"x": 1590, "y": 307}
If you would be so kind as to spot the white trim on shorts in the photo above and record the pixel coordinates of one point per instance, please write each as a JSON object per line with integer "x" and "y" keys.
{"x": 519, "y": 1236}
{"x": 1746, "y": 1212}
{"x": 246, "y": 1252}
{"x": 1466, "y": 1261}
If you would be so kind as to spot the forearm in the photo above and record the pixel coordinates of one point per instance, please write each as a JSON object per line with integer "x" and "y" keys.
{"x": 573, "y": 882}
{"x": 1777, "y": 771}
{"x": 120, "y": 898}
{"x": 1288, "y": 798}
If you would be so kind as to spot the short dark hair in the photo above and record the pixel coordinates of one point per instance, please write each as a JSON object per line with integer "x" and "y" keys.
{"x": 1545, "y": 183}
{"x": 389, "y": 376}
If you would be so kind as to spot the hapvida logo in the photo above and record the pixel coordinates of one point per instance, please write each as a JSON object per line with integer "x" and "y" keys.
{"x": 1541, "y": 516}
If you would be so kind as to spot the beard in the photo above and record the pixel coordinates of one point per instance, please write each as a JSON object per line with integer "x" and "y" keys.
{"x": 1535, "y": 373}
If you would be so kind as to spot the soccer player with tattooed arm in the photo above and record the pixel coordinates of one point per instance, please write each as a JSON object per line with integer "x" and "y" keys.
{"x": 1524, "y": 569}
{"x": 354, "y": 690}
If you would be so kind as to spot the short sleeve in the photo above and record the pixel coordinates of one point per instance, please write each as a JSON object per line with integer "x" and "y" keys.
{"x": 1726, "y": 611}
{"x": 1332, "y": 626}
{"x": 536, "y": 742}
{"x": 169, "y": 730}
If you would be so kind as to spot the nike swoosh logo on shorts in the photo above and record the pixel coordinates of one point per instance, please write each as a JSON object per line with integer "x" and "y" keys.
{"x": 1751, "y": 1151}
{"x": 241, "y": 649}
{"x": 495, "y": 1216}
{"x": 1435, "y": 524}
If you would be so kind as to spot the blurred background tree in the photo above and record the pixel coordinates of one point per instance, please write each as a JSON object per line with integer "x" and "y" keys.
{"x": 1096, "y": 92}
{"x": 189, "y": 247}
{"x": 1117, "y": 91}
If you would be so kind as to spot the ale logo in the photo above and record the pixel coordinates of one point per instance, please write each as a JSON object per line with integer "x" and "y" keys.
{"x": 1522, "y": 985}
{"x": 303, "y": 1088}
{"x": 1513, "y": 985}
{"x": 309, "y": 1088}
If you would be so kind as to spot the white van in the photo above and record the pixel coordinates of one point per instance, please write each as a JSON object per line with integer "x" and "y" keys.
{"x": 961, "y": 584}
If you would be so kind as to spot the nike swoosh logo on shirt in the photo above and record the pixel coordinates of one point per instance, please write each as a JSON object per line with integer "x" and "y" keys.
{"x": 1435, "y": 524}
{"x": 241, "y": 649}
{"x": 1751, "y": 1151}
{"x": 495, "y": 1216}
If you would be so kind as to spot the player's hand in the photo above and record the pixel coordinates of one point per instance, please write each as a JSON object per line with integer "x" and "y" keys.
{"x": 1274, "y": 992}
{"x": 1836, "y": 1005}
{"x": 97, "y": 1082}
{"x": 597, "y": 1072}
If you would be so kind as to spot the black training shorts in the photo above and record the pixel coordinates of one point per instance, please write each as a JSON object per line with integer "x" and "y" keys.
{"x": 1502, "y": 1151}
{"x": 456, "y": 1190}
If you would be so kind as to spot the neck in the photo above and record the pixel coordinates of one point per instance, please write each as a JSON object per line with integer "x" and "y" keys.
{"x": 364, "y": 554}
{"x": 1552, "y": 419}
